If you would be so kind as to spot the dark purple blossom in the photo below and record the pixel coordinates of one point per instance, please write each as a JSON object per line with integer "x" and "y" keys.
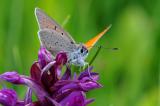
{"x": 49, "y": 85}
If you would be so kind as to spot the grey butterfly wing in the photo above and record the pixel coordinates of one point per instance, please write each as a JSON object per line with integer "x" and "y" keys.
{"x": 55, "y": 42}
{"x": 44, "y": 21}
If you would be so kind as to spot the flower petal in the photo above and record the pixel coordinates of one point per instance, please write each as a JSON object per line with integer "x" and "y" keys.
{"x": 36, "y": 88}
{"x": 8, "y": 97}
{"x": 50, "y": 77}
{"x": 85, "y": 72}
{"x": 40, "y": 93}
{"x": 88, "y": 84}
{"x": 52, "y": 71}
{"x": 15, "y": 78}
{"x": 93, "y": 75}
{"x": 88, "y": 101}
{"x": 28, "y": 98}
{"x": 44, "y": 57}
{"x": 12, "y": 77}
{"x": 61, "y": 58}
{"x": 47, "y": 67}
{"x": 76, "y": 98}
{"x": 35, "y": 72}
{"x": 20, "y": 103}
{"x": 67, "y": 74}
{"x": 71, "y": 86}
{"x": 59, "y": 84}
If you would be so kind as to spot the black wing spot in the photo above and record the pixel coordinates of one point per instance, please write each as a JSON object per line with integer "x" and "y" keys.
{"x": 55, "y": 27}
{"x": 56, "y": 43}
{"x": 72, "y": 42}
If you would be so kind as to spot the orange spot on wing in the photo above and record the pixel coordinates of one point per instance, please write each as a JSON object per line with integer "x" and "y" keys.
{"x": 93, "y": 41}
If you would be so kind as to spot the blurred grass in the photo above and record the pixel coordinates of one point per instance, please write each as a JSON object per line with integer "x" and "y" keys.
{"x": 130, "y": 76}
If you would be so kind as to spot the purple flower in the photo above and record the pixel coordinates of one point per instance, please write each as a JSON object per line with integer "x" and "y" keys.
{"x": 8, "y": 97}
{"x": 51, "y": 87}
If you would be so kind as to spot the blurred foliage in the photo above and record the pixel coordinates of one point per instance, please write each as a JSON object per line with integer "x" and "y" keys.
{"x": 129, "y": 76}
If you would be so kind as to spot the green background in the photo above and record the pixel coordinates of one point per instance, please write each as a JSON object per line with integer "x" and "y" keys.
{"x": 129, "y": 76}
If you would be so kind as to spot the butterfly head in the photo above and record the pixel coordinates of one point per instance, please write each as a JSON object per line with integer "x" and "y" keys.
{"x": 82, "y": 51}
{"x": 78, "y": 56}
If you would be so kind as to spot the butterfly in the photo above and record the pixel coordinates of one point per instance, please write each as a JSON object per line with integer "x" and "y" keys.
{"x": 53, "y": 37}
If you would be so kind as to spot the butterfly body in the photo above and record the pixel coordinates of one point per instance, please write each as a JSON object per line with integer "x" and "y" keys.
{"x": 55, "y": 40}
{"x": 76, "y": 53}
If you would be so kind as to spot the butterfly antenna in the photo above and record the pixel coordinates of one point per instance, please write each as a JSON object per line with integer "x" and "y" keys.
{"x": 115, "y": 48}
{"x": 66, "y": 20}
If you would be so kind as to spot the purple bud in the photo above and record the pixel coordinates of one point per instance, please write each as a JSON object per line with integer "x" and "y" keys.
{"x": 12, "y": 77}
{"x": 61, "y": 58}
{"x": 8, "y": 97}
{"x": 44, "y": 57}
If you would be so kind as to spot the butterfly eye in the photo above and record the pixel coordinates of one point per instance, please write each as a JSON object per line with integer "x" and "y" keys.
{"x": 82, "y": 50}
